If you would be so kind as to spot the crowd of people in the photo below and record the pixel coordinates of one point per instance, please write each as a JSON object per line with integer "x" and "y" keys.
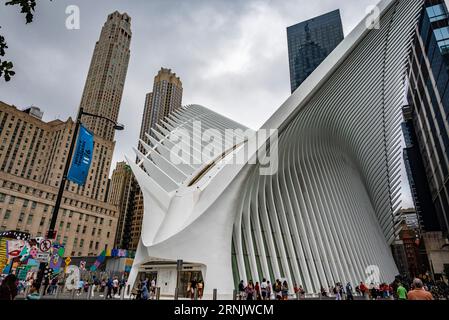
{"x": 108, "y": 288}
{"x": 279, "y": 290}
{"x": 146, "y": 290}
{"x": 400, "y": 289}
{"x": 112, "y": 287}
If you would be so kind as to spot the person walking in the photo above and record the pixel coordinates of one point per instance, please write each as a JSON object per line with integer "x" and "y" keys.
{"x": 263, "y": 289}
{"x": 284, "y": 290}
{"x": 401, "y": 292}
{"x": 349, "y": 295}
{"x": 249, "y": 291}
{"x": 109, "y": 286}
{"x": 115, "y": 285}
{"x": 8, "y": 288}
{"x": 241, "y": 290}
{"x": 257, "y": 291}
{"x": 269, "y": 290}
{"x": 144, "y": 294}
{"x": 418, "y": 292}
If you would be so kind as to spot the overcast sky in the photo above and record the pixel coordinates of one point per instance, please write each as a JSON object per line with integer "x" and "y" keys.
{"x": 231, "y": 55}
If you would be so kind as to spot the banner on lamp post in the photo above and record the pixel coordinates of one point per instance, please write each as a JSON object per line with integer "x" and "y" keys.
{"x": 82, "y": 158}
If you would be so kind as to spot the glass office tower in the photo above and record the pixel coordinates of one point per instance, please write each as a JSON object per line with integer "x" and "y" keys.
{"x": 310, "y": 42}
{"x": 429, "y": 98}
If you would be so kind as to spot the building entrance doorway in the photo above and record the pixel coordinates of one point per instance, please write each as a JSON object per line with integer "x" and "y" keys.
{"x": 188, "y": 280}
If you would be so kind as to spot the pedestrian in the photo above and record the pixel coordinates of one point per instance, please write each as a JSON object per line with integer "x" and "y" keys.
{"x": 144, "y": 289}
{"x": 109, "y": 286}
{"x": 363, "y": 289}
{"x": 402, "y": 292}
{"x": 153, "y": 289}
{"x": 323, "y": 292}
{"x": 337, "y": 292}
{"x": 418, "y": 292}
{"x": 277, "y": 289}
{"x": 34, "y": 294}
{"x": 249, "y": 291}
{"x": 80, "y": 287}
{"x": 8, "y": 288}
{"x": 263, "y": 289}
{"x": 284, "y": 290}
{"x": 241, "y": 290}
{"x": 115, "y": 285}
{"x": 268, "y": 290}
{"x": 121, "y": 286}
{"x": 193, "y": 288}
{"x": 349, "y": 295}
{"x": 257, "y": 291}
{"x": 200, "y": 287}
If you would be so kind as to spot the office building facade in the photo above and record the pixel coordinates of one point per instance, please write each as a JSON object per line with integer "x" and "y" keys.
{"x": 428, "y": 96}
{"x": 310, "y": 42}
{"x": 32, "y": 156}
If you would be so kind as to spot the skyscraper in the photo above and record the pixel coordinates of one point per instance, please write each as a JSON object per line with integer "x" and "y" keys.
{"x": 310, "y": 42}
{"x": 121, "y": 187}
{"x": 428, "y": 96}
{"x": 102, "y": 95}
{"x": 165, "y": 98}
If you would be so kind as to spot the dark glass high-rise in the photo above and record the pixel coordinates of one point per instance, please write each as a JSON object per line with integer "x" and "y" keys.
{"x": 310, "y": 42}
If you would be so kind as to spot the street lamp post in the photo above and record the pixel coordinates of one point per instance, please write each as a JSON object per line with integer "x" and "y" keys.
{"x": 54, "y": 217}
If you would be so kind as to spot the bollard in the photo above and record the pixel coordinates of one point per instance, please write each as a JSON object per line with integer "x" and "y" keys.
{"x": 41, "y": 292}
{"x": 195, "y": 295}
{"x": 234, "y": 295}
{"x": 215, "y": 294}
{"x": 122, "y": 294}
{"x": 128, "y": 288}
{"x": 158, "y": 293}
{"x": 176, "y": 293}
{"x": 298, "y": 296}
{"x": 89, "y": 293}
{"x": 26, "y": 292}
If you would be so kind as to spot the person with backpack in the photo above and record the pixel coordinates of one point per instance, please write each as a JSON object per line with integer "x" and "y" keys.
{"x": 263, "y": 289}
{"x": 349, "y": 295}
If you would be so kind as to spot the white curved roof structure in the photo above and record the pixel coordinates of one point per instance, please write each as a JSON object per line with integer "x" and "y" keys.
{"x": 327, "y": 212}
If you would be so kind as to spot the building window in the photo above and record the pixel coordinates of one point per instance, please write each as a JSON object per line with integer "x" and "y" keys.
{"x": 46, "y": 208}
{"x": 84, "y": 229}
{"x": 33, "y": 205}
{"x": 7, "y": 214}
{"x": 93, "y": 231}
{"x": 30, "y": 219}
{"x": 42, "y": 222}
{"x": 65, "y": 240}
{"x": 12, "y": 200}
{"x": 96, "y": 245}
{"x": 25, "y": 203}
{"x": 75, "y": 242}
{"x": 21, "y": 217}
{"x": 68, "y": 225}
{"x": 108, "y": 234}
{"x": 110, "y": 223}
{"x": 91, "y": 244}
{"x": 61, "y": 224}
{"x": 81, "y": 244}
{"x": 437, "y": 12}
{"x": 78, "y": 228}
{"x": 2, "y": 197}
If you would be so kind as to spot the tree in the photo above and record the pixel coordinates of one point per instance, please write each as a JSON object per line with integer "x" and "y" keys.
{"x": 26, "y": 7}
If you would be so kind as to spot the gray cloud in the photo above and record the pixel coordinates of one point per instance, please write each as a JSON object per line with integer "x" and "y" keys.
{"x": 230, "y": 55}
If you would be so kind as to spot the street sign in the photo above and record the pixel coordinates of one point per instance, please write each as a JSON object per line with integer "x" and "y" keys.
{"x": 45, "y": 245}
{"x": 67, "y": 261}
{"x": 43, "y": 257}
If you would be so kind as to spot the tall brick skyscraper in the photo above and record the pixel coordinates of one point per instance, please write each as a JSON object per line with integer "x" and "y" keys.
{"x": 102, "y": 95}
